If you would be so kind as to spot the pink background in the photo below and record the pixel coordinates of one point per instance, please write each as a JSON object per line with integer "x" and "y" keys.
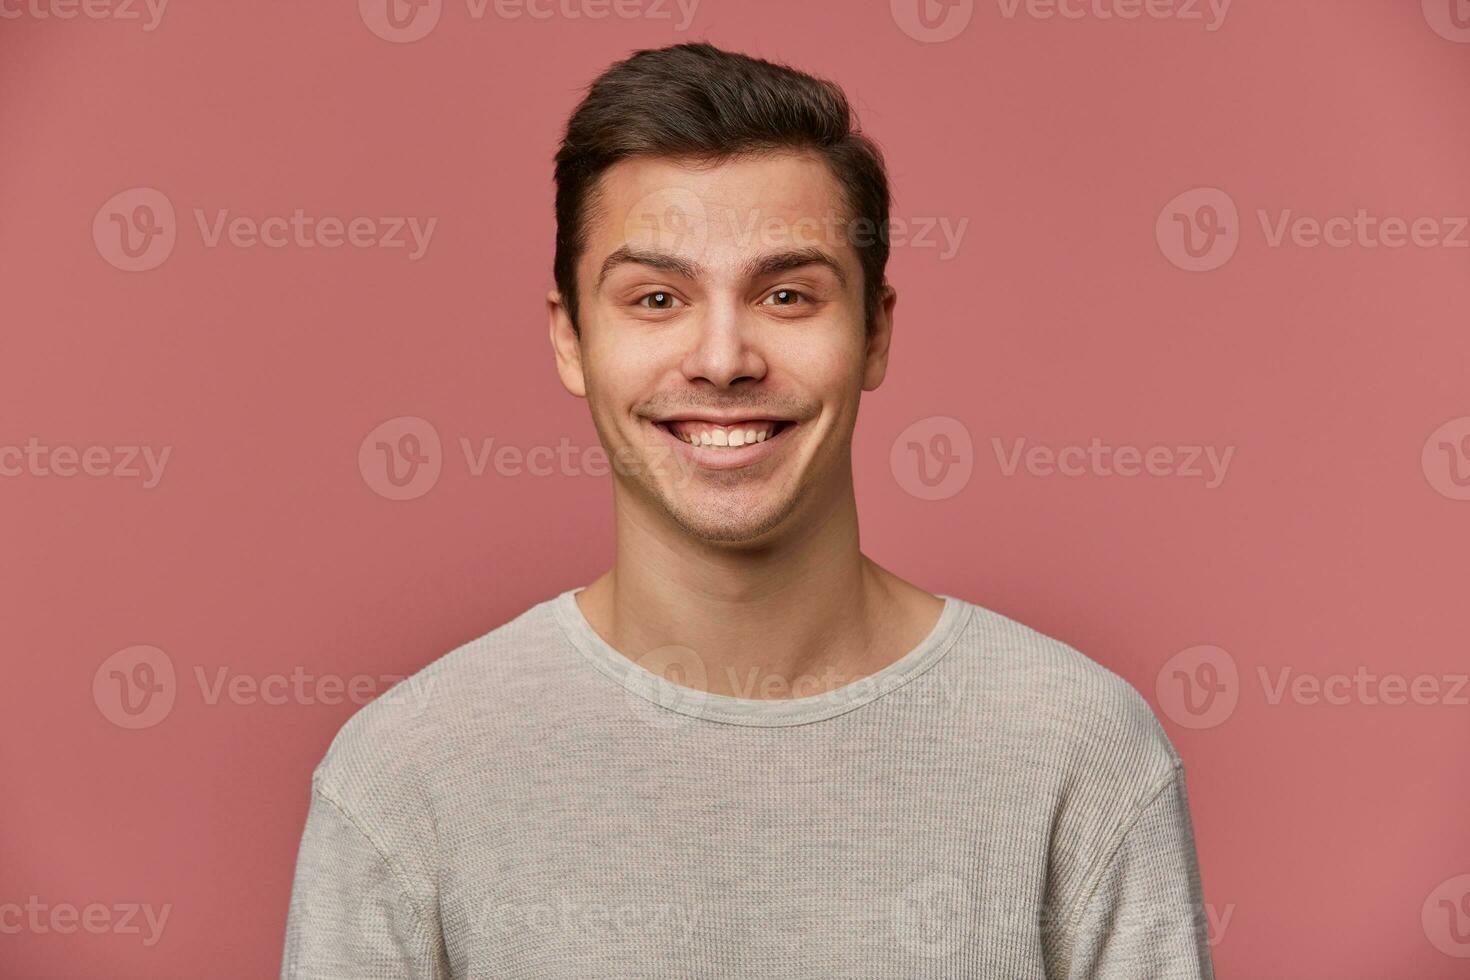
{"x": 1328, "y": 833}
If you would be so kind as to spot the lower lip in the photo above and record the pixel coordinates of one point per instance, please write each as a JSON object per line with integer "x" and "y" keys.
{"x": 726, "y": 457}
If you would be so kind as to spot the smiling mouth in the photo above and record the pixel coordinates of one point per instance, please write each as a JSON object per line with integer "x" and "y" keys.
{"x": 697, "y": 432}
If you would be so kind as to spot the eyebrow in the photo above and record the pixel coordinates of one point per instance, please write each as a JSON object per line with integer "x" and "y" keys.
{"x": 763, "y": 265}
{"x": 653, "y": 259}
{"x": 795, "y": 258}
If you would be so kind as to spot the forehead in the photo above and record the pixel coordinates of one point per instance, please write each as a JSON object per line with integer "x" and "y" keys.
{"x": 718, "y": 214}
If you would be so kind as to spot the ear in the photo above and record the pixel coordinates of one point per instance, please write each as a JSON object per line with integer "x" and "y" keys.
{"x": 566, "y": 345}
{"x": 875, "y": 364}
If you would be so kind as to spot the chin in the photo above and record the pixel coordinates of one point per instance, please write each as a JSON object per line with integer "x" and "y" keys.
{"x": 742, "y": 525}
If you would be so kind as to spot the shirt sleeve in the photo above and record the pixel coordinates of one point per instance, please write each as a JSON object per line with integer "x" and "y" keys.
{"x": 1143, "y": 917}
{"x": 351, "y": 917}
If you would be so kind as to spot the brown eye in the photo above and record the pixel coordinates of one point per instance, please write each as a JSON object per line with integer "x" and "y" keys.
{"x": 659, "y": 301}
{"x": 786, "y": 297}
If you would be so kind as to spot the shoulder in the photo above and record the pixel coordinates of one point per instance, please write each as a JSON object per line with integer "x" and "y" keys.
{"x": 387, "y": 745}
{"x": 1082, "y": 714}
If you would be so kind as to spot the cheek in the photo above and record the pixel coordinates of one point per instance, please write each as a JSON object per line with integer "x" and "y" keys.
{"x": 623, "y": 373}
{"x": 826, "y": 364}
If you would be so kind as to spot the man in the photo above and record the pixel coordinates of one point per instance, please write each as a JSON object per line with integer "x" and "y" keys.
{"x": 746, "y": 750}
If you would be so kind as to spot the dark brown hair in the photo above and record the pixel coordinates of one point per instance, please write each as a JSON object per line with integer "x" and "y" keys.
{"x": 695, "y": 101}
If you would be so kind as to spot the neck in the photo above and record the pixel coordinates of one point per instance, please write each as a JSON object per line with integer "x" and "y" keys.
{"x": 791, "y": 618}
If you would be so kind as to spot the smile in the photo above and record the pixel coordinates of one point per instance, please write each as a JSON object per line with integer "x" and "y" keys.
{"x": 697, "y": 432}
{"x": 737, "y": 443}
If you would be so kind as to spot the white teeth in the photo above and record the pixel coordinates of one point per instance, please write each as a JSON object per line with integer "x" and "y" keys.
{"x": 723, "y": 437}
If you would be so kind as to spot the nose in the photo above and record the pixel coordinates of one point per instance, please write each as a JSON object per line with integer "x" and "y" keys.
{"x": 722, "y": 347}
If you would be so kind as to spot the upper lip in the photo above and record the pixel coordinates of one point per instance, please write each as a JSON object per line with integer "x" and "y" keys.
{"x": 718, "y": 419}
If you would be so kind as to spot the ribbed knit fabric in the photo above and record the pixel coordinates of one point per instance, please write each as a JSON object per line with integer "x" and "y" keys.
{"x": 534, "y": 804}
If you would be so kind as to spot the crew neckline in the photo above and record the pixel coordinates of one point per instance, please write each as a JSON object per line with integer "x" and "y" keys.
{"x": 759, "y": 712}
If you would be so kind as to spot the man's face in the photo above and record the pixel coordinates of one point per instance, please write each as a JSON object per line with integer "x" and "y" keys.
{"x": 722, "y": 347}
